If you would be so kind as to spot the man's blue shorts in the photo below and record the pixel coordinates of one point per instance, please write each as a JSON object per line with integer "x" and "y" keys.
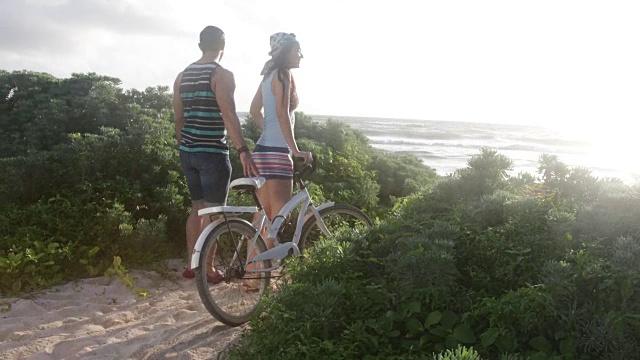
{"x": 208, "y": 176}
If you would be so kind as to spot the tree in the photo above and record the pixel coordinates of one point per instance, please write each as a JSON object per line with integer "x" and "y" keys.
{"x": 37, "y": 110}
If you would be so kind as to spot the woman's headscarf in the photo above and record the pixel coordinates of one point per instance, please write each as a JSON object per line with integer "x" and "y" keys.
{"x": 279, "y": 42}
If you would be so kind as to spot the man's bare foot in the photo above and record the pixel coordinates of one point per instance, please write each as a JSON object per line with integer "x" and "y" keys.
{"x": 215, "y": 277}
{"x": 188, "y": 273}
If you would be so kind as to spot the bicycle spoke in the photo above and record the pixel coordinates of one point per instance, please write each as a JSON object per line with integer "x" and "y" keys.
{"x": 339, "y": 219}
{"x": 236, "y": 297}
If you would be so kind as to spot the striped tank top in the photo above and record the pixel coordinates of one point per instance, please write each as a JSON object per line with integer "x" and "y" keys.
{"x": 203, "y": 129}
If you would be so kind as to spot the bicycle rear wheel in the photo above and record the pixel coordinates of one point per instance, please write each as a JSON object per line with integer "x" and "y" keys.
{"x": 234, "y": 299}
{"x": 337, "y": 218}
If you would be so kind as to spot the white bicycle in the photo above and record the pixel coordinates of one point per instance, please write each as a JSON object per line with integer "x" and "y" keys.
{"x": 235, "y": 247}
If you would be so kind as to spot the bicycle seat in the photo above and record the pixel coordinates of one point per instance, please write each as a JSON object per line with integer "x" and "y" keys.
{"x": 250, "y": 183}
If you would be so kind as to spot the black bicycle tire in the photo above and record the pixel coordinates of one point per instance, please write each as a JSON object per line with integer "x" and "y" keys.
{"x": 201, "y": 280}
{"x": 336, "y": 208}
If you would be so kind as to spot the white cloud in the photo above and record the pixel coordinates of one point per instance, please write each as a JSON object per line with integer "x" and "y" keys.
{"x": 562, "y": 63}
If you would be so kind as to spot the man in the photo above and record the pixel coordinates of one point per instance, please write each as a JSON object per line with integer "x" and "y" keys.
{"x": 205, "y": 111}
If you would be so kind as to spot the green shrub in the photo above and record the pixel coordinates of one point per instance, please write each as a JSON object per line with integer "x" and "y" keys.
{"x": 460, "y": 353}
{"x": 58, "y": 240}
{"x": 531, "y": 271}
{"x": 89, "y": 166}
{"x": 517, "y": 268}
{"x": 91, "y": 173}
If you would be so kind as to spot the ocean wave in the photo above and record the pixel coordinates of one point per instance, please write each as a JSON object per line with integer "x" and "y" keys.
{"x": 415, "y": 134}
{"x": 409, "y": 137}
{"x": 417, "y": 145}
{"x": 447, "y": 145}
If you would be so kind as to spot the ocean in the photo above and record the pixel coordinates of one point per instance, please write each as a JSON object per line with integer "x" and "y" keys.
{"x": 448, "y": 145}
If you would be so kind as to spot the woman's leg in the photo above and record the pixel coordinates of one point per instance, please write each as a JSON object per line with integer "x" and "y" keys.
{"x": 264, "y": 196}
{"x": 273, "y": 195}
{"x": 279, "y": 193}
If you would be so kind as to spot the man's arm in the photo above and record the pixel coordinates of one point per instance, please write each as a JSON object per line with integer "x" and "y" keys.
{"x": 178, "y": 108}
{"x": 224, "y": 86}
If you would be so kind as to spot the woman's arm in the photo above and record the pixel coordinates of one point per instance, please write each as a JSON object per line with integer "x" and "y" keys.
{"x": 256, "y": 108}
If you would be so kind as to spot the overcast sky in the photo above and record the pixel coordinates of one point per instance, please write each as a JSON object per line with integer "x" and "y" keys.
{"x": 567, "y": 64}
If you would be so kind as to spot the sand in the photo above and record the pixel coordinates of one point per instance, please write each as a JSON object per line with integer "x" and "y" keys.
{"x": 100, "y": 318}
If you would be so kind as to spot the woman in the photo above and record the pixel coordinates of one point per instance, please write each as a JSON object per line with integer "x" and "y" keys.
{"x": 274, "y": 150}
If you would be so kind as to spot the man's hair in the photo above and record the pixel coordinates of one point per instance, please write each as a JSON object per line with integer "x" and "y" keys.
{"x": 211, "y": 38}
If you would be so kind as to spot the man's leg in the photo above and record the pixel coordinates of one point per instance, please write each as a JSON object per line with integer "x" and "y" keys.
{"x": 215, "y": 175}
{"x": 193, "y": 226}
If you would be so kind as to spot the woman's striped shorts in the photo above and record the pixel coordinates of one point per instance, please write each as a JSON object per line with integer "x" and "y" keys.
{"x": 273, "y": 162}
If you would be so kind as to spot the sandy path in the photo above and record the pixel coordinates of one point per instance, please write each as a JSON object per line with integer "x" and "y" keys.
{"x": 100, "y": 318}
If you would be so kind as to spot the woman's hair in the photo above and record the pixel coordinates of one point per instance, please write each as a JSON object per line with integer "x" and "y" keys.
{"x": 281, "y": 64}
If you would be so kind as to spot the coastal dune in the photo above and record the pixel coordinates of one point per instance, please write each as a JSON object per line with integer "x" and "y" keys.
{"x": 100, "y": 318}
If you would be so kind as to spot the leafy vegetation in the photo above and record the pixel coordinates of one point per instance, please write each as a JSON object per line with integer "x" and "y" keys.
{"x": 475, "y": 265}
{"x": 514, "y": 269}
{"x": 91, "y": 175}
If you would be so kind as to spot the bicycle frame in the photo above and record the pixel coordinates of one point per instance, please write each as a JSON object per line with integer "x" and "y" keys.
{"x": 279, "y": 251}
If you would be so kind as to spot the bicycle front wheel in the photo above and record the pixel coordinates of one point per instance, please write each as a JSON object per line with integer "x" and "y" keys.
{"x": 227, "y": 287}
{"x": 337, "y": 218}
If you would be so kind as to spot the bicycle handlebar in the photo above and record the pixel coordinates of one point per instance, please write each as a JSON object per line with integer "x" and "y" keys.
{"x": 301, "y": 171}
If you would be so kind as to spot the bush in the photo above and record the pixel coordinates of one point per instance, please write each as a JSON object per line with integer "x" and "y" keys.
{"x": 91, "y": 172}
{"x": 476, "y": 260}
{"x": 58, "y": 240}
{"x": 460, "y": 353}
